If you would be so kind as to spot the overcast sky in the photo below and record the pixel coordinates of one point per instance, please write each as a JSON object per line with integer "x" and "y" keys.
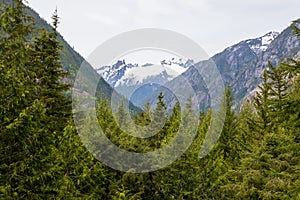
{"x": 213, "y": 24}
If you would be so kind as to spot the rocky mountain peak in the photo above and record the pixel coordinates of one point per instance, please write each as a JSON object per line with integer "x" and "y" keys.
{"x": 261, "y": 44}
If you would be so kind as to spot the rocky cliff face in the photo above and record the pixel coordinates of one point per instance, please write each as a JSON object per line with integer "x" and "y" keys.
{"x": 286, "y": 45}
{"x": 242, "y": 64}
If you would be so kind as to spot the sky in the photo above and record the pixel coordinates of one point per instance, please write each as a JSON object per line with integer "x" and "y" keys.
{"x": 213, "y": 24}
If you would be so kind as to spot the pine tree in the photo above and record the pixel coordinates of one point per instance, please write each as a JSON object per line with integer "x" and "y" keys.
{"x": 122, "y": 117}
{"x": 49, "y": 78}
{"x": 278, "y": 91}
{"x": 271, "y": 169}
{"x": 229, "y": 132}
{"x": 159, "y": 123}
{"x": 34, "y": 111}
{"x": 224, "y": 155}
{"x": 247, "y": 125}
{"x": 16, "y": 78}
{"x": 144, "y": 118}
{"x": 261, "y": 102}
{"x": 21, "y": 114}
{"x": 174, "y": 122}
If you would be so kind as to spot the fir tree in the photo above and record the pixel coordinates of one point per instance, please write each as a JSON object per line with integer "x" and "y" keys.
{"x": 261, "y": 102}
{"x": 49, "y": 78}
{"x": 144, "y": 118}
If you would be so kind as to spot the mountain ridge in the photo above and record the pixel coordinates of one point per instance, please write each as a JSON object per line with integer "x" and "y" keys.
{"x": 240, "y": 65}
{"x": 116, "y": 73}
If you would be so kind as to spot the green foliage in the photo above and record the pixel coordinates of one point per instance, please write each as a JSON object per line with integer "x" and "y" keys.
{"x": 42, "y": 156}
{"x": 270, "y": 168}
{"x": 261, "y": 103}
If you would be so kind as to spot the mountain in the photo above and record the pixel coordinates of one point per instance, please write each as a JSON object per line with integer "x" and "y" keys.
{"x": 130, "y": 74}
{"x": 245, "y": 76}
{"x": 261, "y": 44}
{"x": 138, "y": 82}
{"x": 242, "y": 64}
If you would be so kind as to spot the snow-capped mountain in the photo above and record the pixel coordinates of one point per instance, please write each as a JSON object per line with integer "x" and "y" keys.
{"x": 112, "y": 74}
{"x": 257, "y": 45}
{"x": 261, "y": 44}
{"x": 123, "y": 74}
{"x": 139, "y": 82}
{"x": 151, "y": 73}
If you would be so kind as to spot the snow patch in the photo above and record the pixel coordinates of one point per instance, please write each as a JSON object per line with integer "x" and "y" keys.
{"x": 132, "y": 74}
{"x": 262, "y": 44}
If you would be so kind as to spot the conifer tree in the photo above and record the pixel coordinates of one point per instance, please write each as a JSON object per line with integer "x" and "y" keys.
{"x": 225, "y": 154}
{"x": 144, "y": 118}
{"x": 278, "y": 91}
{"x": 31, "y": 118}
{"x": 21, "y": 114}
{"x": 229, "y": 132}
{"x": 261, "y": 102}
{"x": 122, "y": 116}
{"x": 49, "y": 78}
{"x": 159, "y": 123}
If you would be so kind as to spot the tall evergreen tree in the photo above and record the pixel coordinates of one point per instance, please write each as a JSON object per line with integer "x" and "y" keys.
{"x": 279, "y": 85}
{"x": 32, "y": 115}
{"x": 159, "y": 123}
{"x": 49, "y": 78}
{"x": 144, "y": 118}
{"x": 261, "y": 102}
{"x": 21, "y": 114}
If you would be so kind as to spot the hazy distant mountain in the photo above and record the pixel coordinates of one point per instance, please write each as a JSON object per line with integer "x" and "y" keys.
{"x": 128, "y": 74}
{"x": 138, "y": 82}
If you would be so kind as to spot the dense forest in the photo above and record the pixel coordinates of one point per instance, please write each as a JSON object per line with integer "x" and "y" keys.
{"x": 42, "y": 156}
